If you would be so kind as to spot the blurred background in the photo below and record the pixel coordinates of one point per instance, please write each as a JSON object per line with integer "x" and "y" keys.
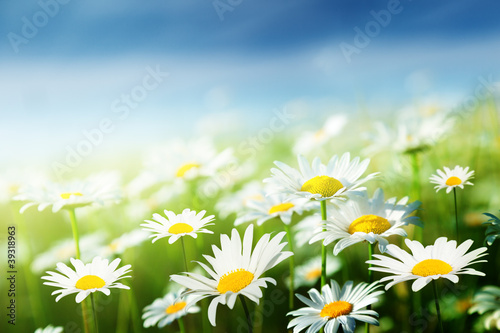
{"x": 95, "y": 86}
{"x": 66, "y": 65}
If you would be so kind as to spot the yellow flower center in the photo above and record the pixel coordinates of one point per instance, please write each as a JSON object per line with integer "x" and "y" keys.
{"x": 453, "y": 181}
{"x": 282, "y": 207}
{"x": 65, "y": 252}
{"x": 176, "y": 307}
{"x": 185, "y": 168}
{"x": 431, "y": 267}
{"x": 234, "y": 281}
{"x": 90, "y": 282}
{"x": 336, "y": 309}
{"x": 180, "y": 228}
{"x": 369, "y": 223}
{"x": 256, "y": 197}
{"x": 69, "y": 194}
{"x": 114, "y": 246}
{"x": 313, "y": 274}
{"x": 324, "y": 185}
{"x": 13, "y": 189}
{"x": 320, "y": 134}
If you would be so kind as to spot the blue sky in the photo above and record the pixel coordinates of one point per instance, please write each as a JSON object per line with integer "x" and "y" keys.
{"x": 262, "y": 56}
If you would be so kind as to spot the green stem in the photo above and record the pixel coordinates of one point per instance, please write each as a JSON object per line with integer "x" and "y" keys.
{"x": 123, "y": 317}
{"x": 184, "y": 252}
{"x": 436, "y": 299}
{"x": 323, "y": 247}
{"x": 247, "y": 313}
{"x": 134, "y": 312}
{"x": 94, "y": 314}
{"x": 370, "y": 279}
{"x": 292, "y": 266}
{"x": 76, "y": 237}
{"x": 74, "y": 227}
{"x": 456, "y": 214}
{"x": 181, "y": 325}
{"x": 370, "y": 257}
{"x": 205, "y": 322}
{"x": 206, "y": 326}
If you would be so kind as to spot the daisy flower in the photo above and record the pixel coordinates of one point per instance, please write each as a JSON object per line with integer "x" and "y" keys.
{"x": 364, "y": 219}
{"x": 310, "y": 272}
{"x": 124, "y": 242}
{"x": 311, "y": 140}
{"x": 96, "y": 189}
{"x": 99, "y": 275}
{"x": 337, "y": 179}
{"x": 175, "y": 226}
{"x": 12, "y": 180}
{"x": 237, "y": 201}
{"x": 50, "y": 329}
{"x": 450, "y": 179}
{"x": 275, "y": 205}
{"x": 336, "y": 307}
{"x": 487, "y": 300}
{"x": 181, "y": 160}
{"x": 236, "y": 269}
{"x": 163, "y": 311}
{"x": 441, "y": 260}
{"x": 413, "y": 132}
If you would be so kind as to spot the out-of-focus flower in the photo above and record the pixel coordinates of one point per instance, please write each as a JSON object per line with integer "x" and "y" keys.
{"x": 309, "y": 141}
{"x": 179, "y": 161}
{"x": 124, "y": 242}
{"x": 50, "y": 329}
{"x": 12, "y": 180}
{"x": 163, "y": 311}
{"x": 96, "y": 189}
{"x": 274, "y": 205}
{"x": 414, "y": 132}
{"x": 487, "y": 300}
{"x": 238, "y": 201}
{"x": 310, "y": 272}
{"x": 306, "y": 229}
{"x": 65, "y": 249}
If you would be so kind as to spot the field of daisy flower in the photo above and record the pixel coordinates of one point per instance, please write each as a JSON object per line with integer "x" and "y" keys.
{"x": 336, "y": 222}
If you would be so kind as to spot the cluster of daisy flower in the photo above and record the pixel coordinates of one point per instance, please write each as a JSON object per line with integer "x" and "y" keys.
{"x": 321, "y": 211}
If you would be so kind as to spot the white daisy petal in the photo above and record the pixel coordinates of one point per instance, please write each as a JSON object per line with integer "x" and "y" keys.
{"x": 85, "y": 279}
{"x": 163, "y": 311}
{"x": 173, "y": 226}
{"x": 443, "y": 259}
{"x": 335, "y": 307}
{"x": 451, "y": 179}
{"x": 236, "y": 270}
